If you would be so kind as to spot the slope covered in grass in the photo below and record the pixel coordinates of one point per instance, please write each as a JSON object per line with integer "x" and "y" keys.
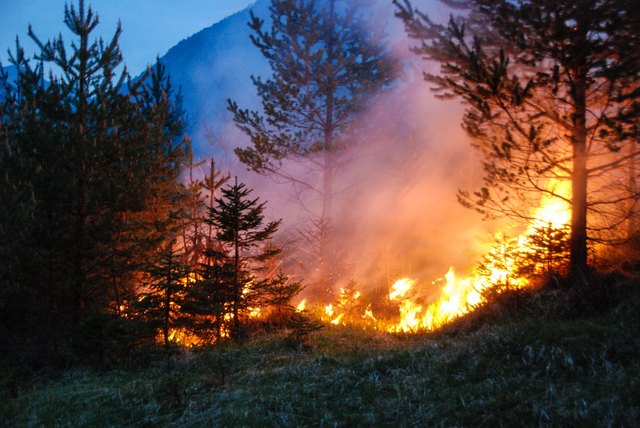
{"x": 582, "y": 371}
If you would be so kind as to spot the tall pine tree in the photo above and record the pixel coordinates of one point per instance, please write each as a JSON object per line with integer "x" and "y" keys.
{"x": 326, "y": 64}
{"x": 552, "y": 95}
{"x": 94, "y": 159}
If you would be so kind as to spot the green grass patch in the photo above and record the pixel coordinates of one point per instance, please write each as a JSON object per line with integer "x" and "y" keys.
{"x": 530, "y": 372}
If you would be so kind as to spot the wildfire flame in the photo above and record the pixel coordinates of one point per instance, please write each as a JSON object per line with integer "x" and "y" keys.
{"x": 459, "y": 295}
{"x": 417, "y": 310}
{"x": 554, "y": 211}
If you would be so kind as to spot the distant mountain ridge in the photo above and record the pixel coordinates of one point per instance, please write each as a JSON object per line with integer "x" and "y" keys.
{"x": 211, "y": 66}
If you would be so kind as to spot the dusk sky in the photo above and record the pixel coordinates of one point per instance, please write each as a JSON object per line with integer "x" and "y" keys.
{"x": 150, "y": 27}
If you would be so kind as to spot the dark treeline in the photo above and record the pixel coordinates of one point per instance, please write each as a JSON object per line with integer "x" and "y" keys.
{"x": 104, "y": 247}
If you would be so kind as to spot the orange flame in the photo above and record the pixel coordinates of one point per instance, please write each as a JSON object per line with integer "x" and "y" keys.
{"x": 459, "y": 295}
{"x": 455, "y": 296}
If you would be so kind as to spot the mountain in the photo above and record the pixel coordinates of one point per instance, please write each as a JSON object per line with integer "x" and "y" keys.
{"x": 211, "y": 66}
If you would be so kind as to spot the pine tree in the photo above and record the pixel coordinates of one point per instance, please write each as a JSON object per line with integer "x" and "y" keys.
{"x": 326, "y": 65}
{"x": 98, "y": 160}
{"x": 167, "y": 278}
{"x": 548, "y": 253}
{"x": 209, "y": 300}
{"x": 17, "y": 209}
{"x": 206, "y": 300}
{"x": 239, "y": 224}
{"x": 551, "y": 94}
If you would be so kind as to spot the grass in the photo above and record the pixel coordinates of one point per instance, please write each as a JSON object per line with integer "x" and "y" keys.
{"x": 517, "y": 372}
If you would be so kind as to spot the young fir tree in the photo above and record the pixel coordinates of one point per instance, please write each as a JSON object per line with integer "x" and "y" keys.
{"x": 326, "y": 65}
{"x": 166, "y": 278}
{"x": 239, "y": 224}
{"x": 206, "y": 303}
{"x": 552, "y": 95}
{"x": 199, "y": 193}
{"x": 548, "y": 252}
{"x": 192, "y": 234}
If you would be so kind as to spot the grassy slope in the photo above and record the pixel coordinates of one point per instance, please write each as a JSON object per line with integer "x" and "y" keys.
{"x": 583, "y": 372}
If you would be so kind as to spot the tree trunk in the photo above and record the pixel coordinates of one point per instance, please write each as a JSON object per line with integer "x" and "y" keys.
{"x": 167, "y": 300}
{"x": 632, "y": 221}
{"x": 236, "y": 287}
{"x": 578, "y": 241}
{"x": 326, "y": 268}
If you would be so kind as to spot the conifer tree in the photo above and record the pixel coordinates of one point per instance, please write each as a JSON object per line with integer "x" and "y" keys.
{"x": 209, "y": 299}
{"x": 206, "y": 300}
{"x": 239, "y": 224}
{"x": 167, "y": 278}
{"x": 98, "y": 161}
{"x": 326, "y": 64}
{"x": 551, "y": 94}
{"x": 548, "y": 254}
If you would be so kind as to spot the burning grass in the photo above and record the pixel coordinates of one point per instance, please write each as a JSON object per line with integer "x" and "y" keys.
{"x": 517, "y": 370}
{"x": 512, "y": 263}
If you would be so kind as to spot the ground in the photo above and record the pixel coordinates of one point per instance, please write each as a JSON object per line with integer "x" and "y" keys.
{"x": 527, "y": 371}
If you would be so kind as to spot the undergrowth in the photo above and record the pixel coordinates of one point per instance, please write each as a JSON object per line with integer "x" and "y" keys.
{"x": 529, "y": 370}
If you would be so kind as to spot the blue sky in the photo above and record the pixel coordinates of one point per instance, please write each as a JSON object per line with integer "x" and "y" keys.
{"x": 150, "y": 27}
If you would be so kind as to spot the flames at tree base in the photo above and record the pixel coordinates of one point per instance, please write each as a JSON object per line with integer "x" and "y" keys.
{"x": 412, "y": 305}
{"x": 511, "y": 263}
{"x": 407, "y": 307}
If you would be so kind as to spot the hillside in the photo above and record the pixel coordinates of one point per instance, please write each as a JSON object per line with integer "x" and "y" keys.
{"x": 559, "y": 371}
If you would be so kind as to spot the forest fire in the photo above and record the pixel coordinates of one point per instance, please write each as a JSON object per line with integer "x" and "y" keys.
{"x": 323, "y": 212}
{"x": 412, "y": 305}
{"x": 511, "y": 263}
{"x": 457, "y": 297}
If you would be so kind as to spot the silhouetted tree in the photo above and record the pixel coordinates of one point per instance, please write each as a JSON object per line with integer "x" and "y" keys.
{"x": 548, "y": 252}
{"x": 206, "y": 300}
{"x": 91, "y": 159}
{"x": 239, "y": 224}
{"x": 166, "y": 277}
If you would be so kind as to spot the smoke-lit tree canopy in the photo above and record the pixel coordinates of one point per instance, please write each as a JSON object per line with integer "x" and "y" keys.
{"x": 552, "y": 96}
{"x": 326, "y": 64}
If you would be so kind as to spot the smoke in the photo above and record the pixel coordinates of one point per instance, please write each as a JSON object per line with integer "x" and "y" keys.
{"x": 395, "y": 209}
{"x": 401, "y": 216}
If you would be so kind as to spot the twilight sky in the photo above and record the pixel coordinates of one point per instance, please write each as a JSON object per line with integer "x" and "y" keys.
{"x": 150, "y": 27}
